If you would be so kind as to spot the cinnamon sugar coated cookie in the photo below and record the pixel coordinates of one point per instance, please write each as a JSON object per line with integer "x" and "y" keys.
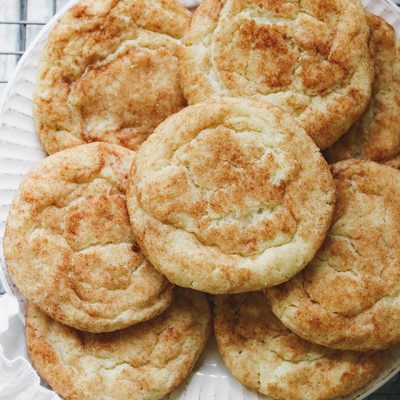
{"x": 310, "y": 57}
{"x": 348, "y": 296}
{"x": 109, "y": 73}
{"x": 376, "y": 134}
{"x": 230, "y": 195}
{"x": 265, "y": 356}
{"x": 68, "y": 243}
{"x": 143, "y": 362}
{"x": 394, "y": 162}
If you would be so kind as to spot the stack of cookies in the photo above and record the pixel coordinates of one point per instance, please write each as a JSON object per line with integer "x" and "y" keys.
{"x": 184, "y": 160}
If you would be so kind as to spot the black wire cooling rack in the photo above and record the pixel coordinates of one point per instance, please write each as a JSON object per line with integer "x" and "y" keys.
{"x": 20, "y": 21}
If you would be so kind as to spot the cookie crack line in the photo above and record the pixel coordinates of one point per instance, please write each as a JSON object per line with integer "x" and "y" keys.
{"x": 277, "y": 335}
{"x": 75, "y": 200}
{"x": 339, "y": 313}
{"x": 306, "y": 361}
{"x": 148, "y": 363}
{"x": 97, "y": 245}
{"x": 162, "y": 289}
{"x": 339, "y": 271}
{"x": 113, "y": 185}
{"x": 211, "y": 245}
{"x": 126, "y": 45}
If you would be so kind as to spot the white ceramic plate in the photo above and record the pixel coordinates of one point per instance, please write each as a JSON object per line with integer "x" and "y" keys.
{"x": 20, "y": 149}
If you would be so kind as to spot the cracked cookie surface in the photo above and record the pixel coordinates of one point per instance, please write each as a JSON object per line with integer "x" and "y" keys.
{"x": 69, "y": 246}
{"x": 109, "y": 73}
{"x": 348, "y": 297}
{"x": 265, "y": 356}
{"x": 142, "y": 362}
{"x": 310, "y": 57}
{"x": 376, "y": 134}
{"x": 230, "y": 195}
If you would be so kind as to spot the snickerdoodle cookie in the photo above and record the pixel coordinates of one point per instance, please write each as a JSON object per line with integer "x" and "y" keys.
{"x": 69, "y": 247}
{"x": 143, "y": 362}
{"x": 230, "y": 195}
{"x": 310, "y": 57}
{"x": 109, "y": 73}
{"x": 265, "y": 356}
{"x": 376, "y": 135}
{"x": 348, "y": 297}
